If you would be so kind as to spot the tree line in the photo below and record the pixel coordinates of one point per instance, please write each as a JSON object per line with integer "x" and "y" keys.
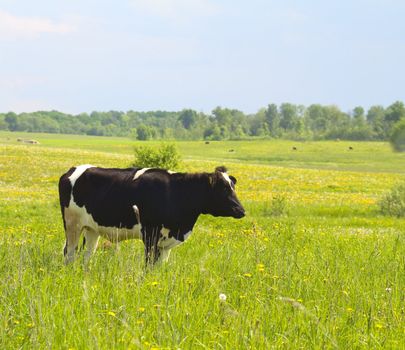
{"x": 287, "y": 120}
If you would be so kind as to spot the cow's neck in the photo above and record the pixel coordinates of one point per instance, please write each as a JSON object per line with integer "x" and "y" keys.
{"x": 192, "y": 191}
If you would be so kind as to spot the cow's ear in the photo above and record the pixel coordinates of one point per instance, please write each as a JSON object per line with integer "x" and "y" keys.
{"x": 221, "y": 169}
{"x": 233, "y": 179}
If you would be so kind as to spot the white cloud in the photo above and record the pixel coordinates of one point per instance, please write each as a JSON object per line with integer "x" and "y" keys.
{"x": 17, "y": 27}
{"x": 176, "y": 9}
{"x": 19, "y": 82}
{"x": 27, "y": 105}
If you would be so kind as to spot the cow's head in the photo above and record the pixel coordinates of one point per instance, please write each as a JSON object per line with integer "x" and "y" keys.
{"x": 222, "y": 198}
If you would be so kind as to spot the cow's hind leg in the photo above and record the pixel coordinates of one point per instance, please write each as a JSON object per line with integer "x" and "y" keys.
{"x": 150, "y": 237}
{"x": 72, "y": 232}
{"x": 91, "y": 236}
{"x": 164, "y": 254}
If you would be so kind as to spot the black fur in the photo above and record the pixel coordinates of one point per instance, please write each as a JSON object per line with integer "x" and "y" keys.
{"x": 173, "y": 201}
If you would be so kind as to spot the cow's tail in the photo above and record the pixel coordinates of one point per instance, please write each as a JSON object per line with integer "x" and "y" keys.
{"x": 65, "y": 192}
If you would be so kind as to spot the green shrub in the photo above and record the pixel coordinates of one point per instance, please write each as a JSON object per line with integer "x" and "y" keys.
{"x": 393, "y": 203}
{"x": 277, "y": 206}
{"x": 166, "y": 156}
{"x": 397, "y": 138}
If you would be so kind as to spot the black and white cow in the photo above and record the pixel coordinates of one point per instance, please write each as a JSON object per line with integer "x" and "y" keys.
{"x": 158, "y": 206}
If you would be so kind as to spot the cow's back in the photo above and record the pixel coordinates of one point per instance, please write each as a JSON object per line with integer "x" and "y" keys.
{"x": 103, "y": 194}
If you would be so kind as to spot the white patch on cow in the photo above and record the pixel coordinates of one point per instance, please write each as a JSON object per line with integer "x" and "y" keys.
{"x": 78, "y": 172}
{"x": 228, "y": 179}
{"x": 140, "y": 172}
{"x": 164, "y": 255}
{"x": 113, "y": 234}
{"x": 171, "y": 172}
{"x": 167, "y": 242}
{"x": 137, "y": 214}
{"x": 187, "y": 235}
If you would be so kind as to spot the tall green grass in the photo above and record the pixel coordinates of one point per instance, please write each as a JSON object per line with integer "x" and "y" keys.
{"x": 328, "y": 273}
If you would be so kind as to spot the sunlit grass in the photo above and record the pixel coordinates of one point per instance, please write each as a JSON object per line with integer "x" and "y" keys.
{"x": 329, "y": 273}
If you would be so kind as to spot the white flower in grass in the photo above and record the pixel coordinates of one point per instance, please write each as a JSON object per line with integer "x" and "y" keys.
{"x": 222, "y": 297}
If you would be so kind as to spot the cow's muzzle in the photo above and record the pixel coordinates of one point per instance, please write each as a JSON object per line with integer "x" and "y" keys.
{"x": 238, "y": 213}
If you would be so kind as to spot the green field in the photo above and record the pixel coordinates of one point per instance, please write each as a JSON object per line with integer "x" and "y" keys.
{"x": 327, "y": 273}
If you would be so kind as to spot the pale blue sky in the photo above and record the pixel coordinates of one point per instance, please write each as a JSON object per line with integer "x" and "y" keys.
{"x": 83, "y": 55}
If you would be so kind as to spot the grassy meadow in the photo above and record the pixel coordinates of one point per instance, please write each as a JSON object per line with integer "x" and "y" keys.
{"x": 313, "y": 265}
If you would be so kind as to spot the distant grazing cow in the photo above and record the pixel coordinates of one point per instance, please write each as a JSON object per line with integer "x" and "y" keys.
{"x": 294, "y": 148}
{"x": 207, "y": 142}
{"x": 158, "y": 206}
{"x": 34, "y": 142}
{"x": 350, "y": 148}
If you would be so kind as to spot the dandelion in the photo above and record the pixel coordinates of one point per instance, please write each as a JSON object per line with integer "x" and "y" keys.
{"x": 242, "y": 296}
{"x": 154, "y": 284}
{"x": 222, "y": 297}
{"x": 141, "y": 309}
{"x": 379, "y": 326}
{"x": 349, "y": 310}
{"x": 248, "y": 275}
{"x": 111, "y": 313}
{"x": 260, "y": 267}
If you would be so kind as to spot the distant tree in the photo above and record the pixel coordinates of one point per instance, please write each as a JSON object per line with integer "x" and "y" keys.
{"x": 395, "y": 112}
{"x": 272, "y": 119}
{"x": 222, "y": 116}
{"x": 339, "y": 123}
{"x": 397, "y": 138}
{"x": 317, "y": 120}
{"x": 3, "y": 123}
{"x": 375, "y": 118}
{"x": 358, "y": 114}
{"x": 360, "y": 129}
{"x": 291, "y": 120}
{"x": 144, "y": 132}
{"x": 12, "y": 121}
{"x": 289, "y": 116}
{"x": 213, "y": 132}
{"x": 257, "y": 124}
{"x": 95, "y": 130}
{"x": 287, "y": 121}
{"x": 188, "y": 118}
{"x": 49, "y": 125}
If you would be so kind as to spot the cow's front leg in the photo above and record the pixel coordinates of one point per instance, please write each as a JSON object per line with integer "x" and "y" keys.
{"x": 150, "y": 237}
